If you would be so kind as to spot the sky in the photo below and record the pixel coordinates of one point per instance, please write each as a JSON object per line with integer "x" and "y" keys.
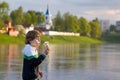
{"x": 89, "y": 9}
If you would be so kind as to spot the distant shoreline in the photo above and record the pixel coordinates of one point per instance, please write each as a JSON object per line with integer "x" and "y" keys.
{"x": 6, "y": 39}
{"x": 109, "y": 38}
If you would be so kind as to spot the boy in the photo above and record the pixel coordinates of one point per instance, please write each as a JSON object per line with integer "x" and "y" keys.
{"x": 31, "y": 57}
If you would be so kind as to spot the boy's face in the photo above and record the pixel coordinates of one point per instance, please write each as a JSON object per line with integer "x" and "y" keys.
{"x": 35, "y": 42}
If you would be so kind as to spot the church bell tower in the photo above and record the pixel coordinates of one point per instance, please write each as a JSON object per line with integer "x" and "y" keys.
{"x": 49, "y": 24}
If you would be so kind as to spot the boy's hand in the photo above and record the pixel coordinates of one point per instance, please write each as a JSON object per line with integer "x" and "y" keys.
{"x": 41, "y": 74}
{"x": 46, "y": 47}
{"x": 47, "y": 51}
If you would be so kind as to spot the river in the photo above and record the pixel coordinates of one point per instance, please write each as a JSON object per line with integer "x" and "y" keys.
{"x": 66, "y": 62}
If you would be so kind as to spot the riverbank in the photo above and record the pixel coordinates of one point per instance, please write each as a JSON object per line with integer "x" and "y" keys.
{"x": 70, "y": 39}
{"x": 111, "y": 38}
{"x": 5, "y": 39}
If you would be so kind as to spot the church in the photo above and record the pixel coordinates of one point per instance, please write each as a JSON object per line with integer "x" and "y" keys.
{"x": 48, "y": 24}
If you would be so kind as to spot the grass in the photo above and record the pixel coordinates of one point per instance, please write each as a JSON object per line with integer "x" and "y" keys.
{"x": 5, "y": 39}
{"x": 112, "y": 38}
{"x": 69, "y": 39}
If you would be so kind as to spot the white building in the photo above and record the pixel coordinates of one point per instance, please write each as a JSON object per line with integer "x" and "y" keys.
{"x": 48, "y": 17}
{"x": 29, "y": 28}
{"x": 105, "y": 25}
{"x": 118, "y": 25}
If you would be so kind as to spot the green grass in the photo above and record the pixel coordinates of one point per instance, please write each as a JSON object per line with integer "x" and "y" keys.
{"x": 69, "y": 39}
{"x": 5, "y": 39}
{"x": 112, "y": 38}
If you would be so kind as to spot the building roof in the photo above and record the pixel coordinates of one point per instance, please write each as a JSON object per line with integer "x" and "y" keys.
{"x": 47, "y": 11}
{"x": 26, "y": 25}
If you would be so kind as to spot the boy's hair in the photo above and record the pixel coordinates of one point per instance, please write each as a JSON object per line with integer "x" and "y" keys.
{"x": 31, "y": 35}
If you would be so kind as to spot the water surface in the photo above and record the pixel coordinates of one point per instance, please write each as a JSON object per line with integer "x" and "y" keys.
{"x": 66, "y": 62}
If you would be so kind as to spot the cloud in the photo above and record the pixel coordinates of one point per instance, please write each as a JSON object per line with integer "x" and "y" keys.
{"x": 90, "y": 4}
{"x": 112, "y": 14}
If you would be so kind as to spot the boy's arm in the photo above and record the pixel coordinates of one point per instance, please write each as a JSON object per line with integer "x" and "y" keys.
{"x": 37, "y": 61}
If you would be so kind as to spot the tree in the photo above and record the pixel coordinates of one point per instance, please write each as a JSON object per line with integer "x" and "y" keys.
{"x": 58, "y": 22}
{"x": 84, "y": 27}
{"x": 67, "y": 22}
{"x": 4, "y": 8}
{"x": 40, "y": 17}
{"x": 34, "y": 19}
{"x": 95, "y": 29}
{"x": 17, "y": 16}
{"x": 27, "y": 18}
{"x": 71, "y": 23}
{"x": 75, "y": 24}
{"x": 6, "y": 17}
{"x": 112, "y": 28}
{"x": 2, "y": 25}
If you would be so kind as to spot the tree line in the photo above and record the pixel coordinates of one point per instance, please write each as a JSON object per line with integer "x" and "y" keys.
{"x": 71, "y": 23}
{"x": 18, "y": 17}
{"x": 66, "y": 22}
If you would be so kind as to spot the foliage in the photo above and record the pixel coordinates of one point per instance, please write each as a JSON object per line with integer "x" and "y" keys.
{"x": 40, "y": 17}
{"x": 27, "y": 18}
{"x": 30, "y": 17}
{"x": 58, "y": 22}
{"x": 6, "y": 17}
{"x": 84, "y": 27}
{"x": 4, "y": 8}
{"x": 2, "y": 25}
{"x": 112, "y": 38}
{"x": 112, "y": 28}
{"x": 70, "y": 23}
{"x": 95, "y": 29}
{"x": 33, "y": 16}
{"x": 17, "y": 16}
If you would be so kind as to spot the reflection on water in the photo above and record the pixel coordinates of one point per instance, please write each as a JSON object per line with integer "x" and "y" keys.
{"x": 83, "y": 55}
{"x": 66, "y": 62}
{"x": 10, "y": 62}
